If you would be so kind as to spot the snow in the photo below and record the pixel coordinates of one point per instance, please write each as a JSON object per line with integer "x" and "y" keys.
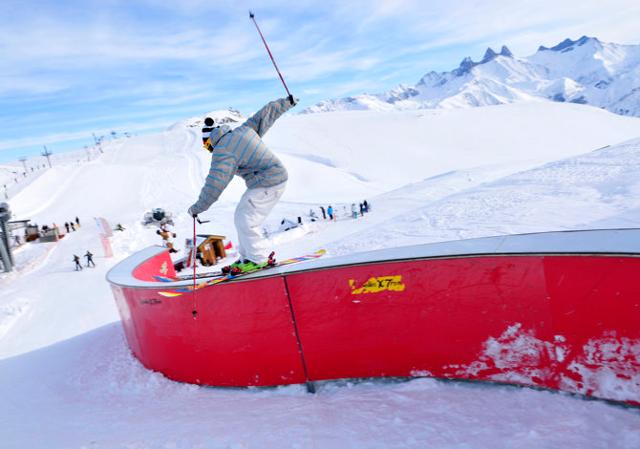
{"x": 68, "y": 380}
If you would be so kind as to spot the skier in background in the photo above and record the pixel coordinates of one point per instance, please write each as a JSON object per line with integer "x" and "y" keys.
{"x": 76, "y": 259}
{"x": 324, "y": 213}
{"x": 242, "y": 152}
{"x": 89, "y": 257}
{"x": 330, "y": 212}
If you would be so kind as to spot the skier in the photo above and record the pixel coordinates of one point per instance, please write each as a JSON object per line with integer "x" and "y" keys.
{"x": 76, "y": 259}
{"x": 119, "y": 227}
{"x": 241, "y": 151}
{"x": 73, "y": 227}
{"x": 66, "y": 226}
{"x": 330, "y": 212}
{"x": 361, "y": 210}
{"x": 324, "y": 213}
{"x": 354, "y": 211}
{"x": 89, "y": 257}
{"x": 312, "y": 215}
{"x": 77, "y": 221}
{"x": 366, "y": 206}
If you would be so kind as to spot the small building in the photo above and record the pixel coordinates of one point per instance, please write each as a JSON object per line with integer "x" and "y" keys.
{"x": 211, "y": 248}
{"x": 31, "y": 233}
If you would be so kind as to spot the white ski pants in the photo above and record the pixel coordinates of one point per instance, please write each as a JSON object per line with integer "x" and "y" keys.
{"x": 252, "y": 210}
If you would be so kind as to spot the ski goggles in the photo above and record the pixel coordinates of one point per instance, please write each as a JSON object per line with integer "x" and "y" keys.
{"x": 206, "y": 143}
{"x": 206, "y": 138}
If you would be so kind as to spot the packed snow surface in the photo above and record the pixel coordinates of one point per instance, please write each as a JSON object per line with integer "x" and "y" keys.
{"x": 68, "y": 380}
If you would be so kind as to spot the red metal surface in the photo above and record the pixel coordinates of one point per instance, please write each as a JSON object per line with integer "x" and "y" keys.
{"x": 161, "y": 265}
{"x": 562, "y": 322}
{"x": 444, "y": 313}
{"x": 240, "y": 337}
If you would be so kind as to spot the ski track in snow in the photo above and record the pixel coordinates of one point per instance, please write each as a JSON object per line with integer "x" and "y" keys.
{"x": 65, "y": 365}
{"x": 596, "y": 187}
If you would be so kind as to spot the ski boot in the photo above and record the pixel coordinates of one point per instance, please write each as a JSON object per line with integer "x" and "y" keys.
{"x": 241, "y": 266}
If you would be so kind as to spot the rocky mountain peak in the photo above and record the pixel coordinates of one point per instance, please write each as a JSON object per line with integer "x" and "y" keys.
{"x": 488, "y": 55}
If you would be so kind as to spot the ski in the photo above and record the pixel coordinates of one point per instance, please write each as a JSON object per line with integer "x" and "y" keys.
{"x": 230, "y": 277}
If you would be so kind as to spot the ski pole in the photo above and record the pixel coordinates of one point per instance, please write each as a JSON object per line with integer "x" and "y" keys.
{"x": 252, "y": 17}
{"x": 194, "y": 312}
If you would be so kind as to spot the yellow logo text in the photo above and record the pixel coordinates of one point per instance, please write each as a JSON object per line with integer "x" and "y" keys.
{"x": 377, "y": 285}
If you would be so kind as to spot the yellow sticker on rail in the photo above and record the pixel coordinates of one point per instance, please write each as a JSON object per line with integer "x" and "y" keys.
{"x": 377, "y": 285}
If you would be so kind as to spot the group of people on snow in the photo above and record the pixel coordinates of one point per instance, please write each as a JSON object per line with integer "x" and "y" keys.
{"x": 71, "y": 225}
{"x": 364, "y": 208}
{"x": 89, "y": 256}
{"x": 40, "y": 231}
{"x": 328, "y": 213}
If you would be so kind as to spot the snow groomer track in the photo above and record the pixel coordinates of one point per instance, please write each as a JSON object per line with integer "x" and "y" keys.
{"x": 557, "y": 310}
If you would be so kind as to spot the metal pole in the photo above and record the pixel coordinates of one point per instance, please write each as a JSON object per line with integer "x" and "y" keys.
{"x": 46, "y": 153}
{"x": 194, "y": 312}
{"x": 5, "y": 250}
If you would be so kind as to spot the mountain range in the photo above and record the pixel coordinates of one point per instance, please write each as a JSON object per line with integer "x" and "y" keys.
{"x": 584, "y": 71}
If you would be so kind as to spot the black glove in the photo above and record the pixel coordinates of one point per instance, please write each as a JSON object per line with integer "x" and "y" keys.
{"x": 292, "y": 101}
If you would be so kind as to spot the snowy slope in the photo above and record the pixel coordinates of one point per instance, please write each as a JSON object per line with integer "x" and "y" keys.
{"x": 599, "y": 189}
{"x": 585, "y": 71}
{"x": 67, "y": 379}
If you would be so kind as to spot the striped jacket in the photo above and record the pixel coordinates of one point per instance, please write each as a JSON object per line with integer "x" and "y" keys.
{"x": 242, "y": 152}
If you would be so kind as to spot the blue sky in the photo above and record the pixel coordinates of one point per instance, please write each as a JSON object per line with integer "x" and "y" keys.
{"x": 72, "y": 68}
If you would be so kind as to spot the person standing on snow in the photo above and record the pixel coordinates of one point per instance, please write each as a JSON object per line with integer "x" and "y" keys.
{"x": 76, "y": 259}
{"x": 242, "y": 152}
{"x": 89, "y": 257}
